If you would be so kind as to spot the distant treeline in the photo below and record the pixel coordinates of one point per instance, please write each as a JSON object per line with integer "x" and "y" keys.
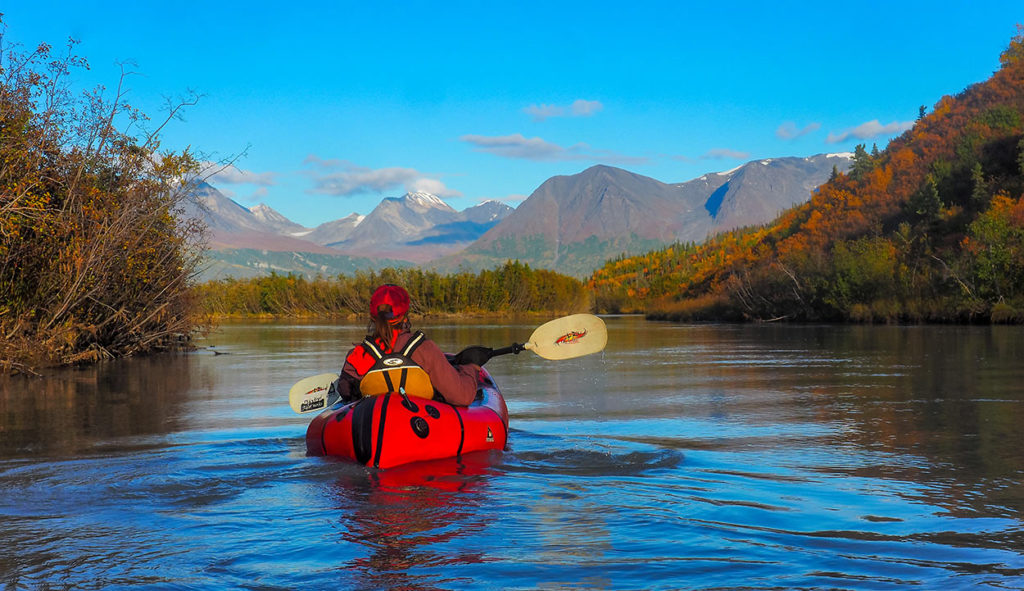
{"x": 512, "y": 288}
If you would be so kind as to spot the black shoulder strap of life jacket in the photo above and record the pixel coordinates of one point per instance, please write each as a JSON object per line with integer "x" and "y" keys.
{"x": 417, "y": 339}
{"x": 371, "y": 348}
{"x": 414, "y": 343}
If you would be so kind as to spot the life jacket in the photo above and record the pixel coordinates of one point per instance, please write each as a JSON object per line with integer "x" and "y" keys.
{"x": 396, "y": 371}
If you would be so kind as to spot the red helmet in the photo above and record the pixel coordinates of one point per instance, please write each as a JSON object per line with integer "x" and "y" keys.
{"x": 392, "y": 295}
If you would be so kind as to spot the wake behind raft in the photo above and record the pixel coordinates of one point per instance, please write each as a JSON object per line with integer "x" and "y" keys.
{"x": 393, "y": 428}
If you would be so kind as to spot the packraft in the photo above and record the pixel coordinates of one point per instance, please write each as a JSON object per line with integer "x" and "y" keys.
{"x": 404, "y": 424}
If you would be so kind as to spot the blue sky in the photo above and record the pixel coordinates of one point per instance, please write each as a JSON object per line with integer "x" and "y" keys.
{"x": 335, "y": 105}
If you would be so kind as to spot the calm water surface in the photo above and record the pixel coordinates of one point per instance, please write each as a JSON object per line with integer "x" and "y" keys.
{"x": 684, "y": 457}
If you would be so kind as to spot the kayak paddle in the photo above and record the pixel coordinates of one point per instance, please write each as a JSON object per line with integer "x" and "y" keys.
{"x": 562, "y": 338}
{"x": 567, "y": 337}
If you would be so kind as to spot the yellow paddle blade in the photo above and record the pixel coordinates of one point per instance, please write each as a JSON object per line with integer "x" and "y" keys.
{"x": 568, "y": 337}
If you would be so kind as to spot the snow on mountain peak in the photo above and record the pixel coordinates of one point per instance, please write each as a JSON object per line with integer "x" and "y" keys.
{"x": 264, "y": 210}
{"x": 426, "y": 199}
{"x": 267, "y": 214}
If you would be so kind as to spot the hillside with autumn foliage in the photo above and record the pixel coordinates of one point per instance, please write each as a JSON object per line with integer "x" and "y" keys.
{"x": 929, "y": 229}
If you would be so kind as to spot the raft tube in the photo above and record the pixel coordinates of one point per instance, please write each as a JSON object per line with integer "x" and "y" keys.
{"x": 392, "y": 429}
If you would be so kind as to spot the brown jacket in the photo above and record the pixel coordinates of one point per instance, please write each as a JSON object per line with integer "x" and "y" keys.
{"x": 456, "y": 383}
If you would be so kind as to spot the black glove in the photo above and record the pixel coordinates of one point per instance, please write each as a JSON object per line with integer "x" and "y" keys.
{"x": 348, "y": 388}
{"x": 474, "y": 355}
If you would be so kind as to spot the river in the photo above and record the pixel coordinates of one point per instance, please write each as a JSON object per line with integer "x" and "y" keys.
{"x": 683, "y": 457}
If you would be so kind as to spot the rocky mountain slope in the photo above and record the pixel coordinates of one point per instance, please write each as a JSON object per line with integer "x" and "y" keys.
{"x": 419, "y": 227}
{"x": 574, "y": 223}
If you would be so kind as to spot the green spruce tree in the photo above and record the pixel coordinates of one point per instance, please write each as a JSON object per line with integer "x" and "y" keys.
{"x": 926, "y": 203}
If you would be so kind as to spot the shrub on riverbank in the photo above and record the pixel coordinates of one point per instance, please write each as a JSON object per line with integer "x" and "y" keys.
{"x": 94, "y": 261}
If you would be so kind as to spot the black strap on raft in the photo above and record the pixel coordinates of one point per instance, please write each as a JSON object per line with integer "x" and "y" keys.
{"x": 380, "y": 430}
{"x": 362, "y": 429}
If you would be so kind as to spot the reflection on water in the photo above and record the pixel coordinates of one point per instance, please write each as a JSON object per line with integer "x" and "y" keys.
{"x": 699, "y": 456}
{"x": 75, "y": 408}
{"x": 414, "y": 517}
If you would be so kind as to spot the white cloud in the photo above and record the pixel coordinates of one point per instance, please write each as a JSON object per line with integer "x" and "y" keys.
{"x": 342, "y": 178}
{"x": 231, "y": 174}
{"x": 578, "y": 108}
{"x": 869, "y": 130}
{"x": 584, "y": 108}
{"x": 521, "y": 147}
{"x": 789, "y": 131}
{"x": 257, "y": 195}
{"x": 542, "y": 112}
{"x": 432, "y": 186}
{"x": 325, "y": 163}
{"x": 518, "y": 146}
{"x": 725, "y": 154}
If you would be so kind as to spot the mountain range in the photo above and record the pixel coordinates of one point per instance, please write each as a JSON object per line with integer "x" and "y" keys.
{"x": 400, "y": 231}
{"x": 570, "y": 223}
{"x": 575, "y": 223}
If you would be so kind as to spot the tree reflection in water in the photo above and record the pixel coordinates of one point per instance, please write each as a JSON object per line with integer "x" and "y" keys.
{"x": 73, "y": 409}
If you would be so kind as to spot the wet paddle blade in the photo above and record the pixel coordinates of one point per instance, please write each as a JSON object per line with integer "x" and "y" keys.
{"x": 313, "y": 394}
{"x": 569, "y": 337}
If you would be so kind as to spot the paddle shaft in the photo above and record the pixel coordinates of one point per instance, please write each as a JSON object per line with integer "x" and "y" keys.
{"x": 514, "y": 348}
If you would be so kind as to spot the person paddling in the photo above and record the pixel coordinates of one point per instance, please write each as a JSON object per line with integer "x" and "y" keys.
{"x": 389, "y": 334}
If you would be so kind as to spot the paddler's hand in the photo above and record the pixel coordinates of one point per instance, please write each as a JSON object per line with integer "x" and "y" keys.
{"x": 347, "y": 388}
{"x": 473, "y": 355}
